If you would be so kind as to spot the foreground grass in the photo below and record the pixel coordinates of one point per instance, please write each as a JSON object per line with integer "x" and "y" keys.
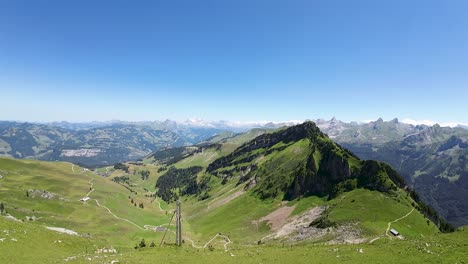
{"x": 451, "y": 248}
{"x": 32, "y": 243}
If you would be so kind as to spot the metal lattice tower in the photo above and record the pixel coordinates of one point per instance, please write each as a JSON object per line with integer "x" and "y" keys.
{"x": 178, "y": 225}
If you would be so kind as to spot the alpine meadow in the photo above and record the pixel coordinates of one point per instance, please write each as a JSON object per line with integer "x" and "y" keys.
{"x": 233, "y": 132}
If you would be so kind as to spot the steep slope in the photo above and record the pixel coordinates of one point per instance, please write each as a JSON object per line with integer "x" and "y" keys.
{"x": 432, "y": 159}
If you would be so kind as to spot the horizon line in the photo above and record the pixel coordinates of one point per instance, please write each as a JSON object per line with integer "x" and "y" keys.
{"x": 201, "y": 122}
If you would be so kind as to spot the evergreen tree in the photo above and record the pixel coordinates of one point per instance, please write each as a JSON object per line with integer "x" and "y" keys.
{"x": 2, "y": 208}
{"x": 142, "y": 243}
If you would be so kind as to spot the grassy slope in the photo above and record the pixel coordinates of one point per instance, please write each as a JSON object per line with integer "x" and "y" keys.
{"x": 32, "y": 243}
{"x": 19, "y": 176}
{"x": 374, "y": 210}
{"x": 445, "y": 248}
{"x": 35, "y": 244}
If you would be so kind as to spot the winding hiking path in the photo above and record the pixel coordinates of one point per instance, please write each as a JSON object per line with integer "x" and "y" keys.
{"x": 151, "y": 227}
{"x": 401, "y": 218}
{"x": 226, "y": 239}
{"x": 90, "y": 187}
{"x": 159, "y": 205}
{"x": 389, "y": 225}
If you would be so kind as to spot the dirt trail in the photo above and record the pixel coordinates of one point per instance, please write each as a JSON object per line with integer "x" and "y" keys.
{"x": 389, "y": 225}
{"x": 154, "y": 228}
{"x": 226, "y": 239}
{"x": 159, "y": 205}
{"x": 401, "y": 218}
{"x": 90, "y": 187}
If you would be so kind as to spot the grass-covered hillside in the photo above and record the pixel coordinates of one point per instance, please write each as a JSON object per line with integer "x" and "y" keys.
{"x": 31, "y": 243}
{"x": 48, "y": 194}
{"x": 276, "y": 197}
{"x": 250, "y": 191}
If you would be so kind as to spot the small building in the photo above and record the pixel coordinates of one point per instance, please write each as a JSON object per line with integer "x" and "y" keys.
{"x": 394, "y": 232}
{"x": 84, "y": 199}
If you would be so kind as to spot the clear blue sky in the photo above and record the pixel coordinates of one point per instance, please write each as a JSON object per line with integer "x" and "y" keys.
{"x": 233, "y": 60}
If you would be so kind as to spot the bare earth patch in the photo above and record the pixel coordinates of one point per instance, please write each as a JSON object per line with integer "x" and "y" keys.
{"x": 277, "y": 218}
{"x": 303, "y": 221}
{"x": 298, "y": 228}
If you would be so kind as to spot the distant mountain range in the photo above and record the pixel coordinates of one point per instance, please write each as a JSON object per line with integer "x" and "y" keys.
{"x": 433, "y": 159}
{"x": 94, "y": 144}
{"x": 103, "y": 143}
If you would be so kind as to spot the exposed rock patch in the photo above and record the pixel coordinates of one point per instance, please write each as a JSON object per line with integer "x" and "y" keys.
{"x": 63, "y": 230}
{"x": 42, "y": 194}
{"x": 300, "y": 223}
{"x": 309, "y": 226}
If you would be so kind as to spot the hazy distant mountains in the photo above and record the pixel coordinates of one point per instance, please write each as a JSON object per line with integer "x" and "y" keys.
{"x": 431, "y": 158}
{"x": 103, "y": 143}
{"x": 93, "y": 144}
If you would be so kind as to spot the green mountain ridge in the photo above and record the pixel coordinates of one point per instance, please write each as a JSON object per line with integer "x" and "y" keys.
{"x": 295, "y": 162}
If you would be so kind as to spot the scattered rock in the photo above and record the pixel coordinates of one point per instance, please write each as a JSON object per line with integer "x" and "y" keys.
{"x": 41, "y": 194}
{"x": 301, "y": 223}
{"x": 301, "y": 228}
{"x": 106, "y": 250}
{"x": 63, "y": 230}
{"x": 69, "y": 258}
{"x": 31, "y": 218}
